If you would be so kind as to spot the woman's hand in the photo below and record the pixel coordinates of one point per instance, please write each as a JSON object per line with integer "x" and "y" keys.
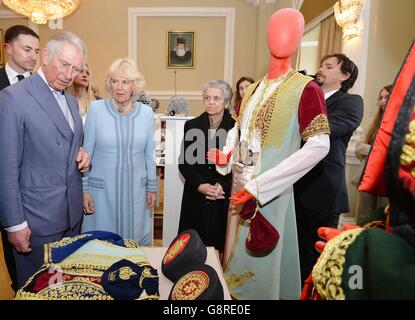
{"x": 151, "y": 199}
{"x": 83, "y": 160}
{"x": 208, "y": 190}
{"x": 219, "y": 191}
{"x": 241, "y": 197}
{"x": 89, "y": 207}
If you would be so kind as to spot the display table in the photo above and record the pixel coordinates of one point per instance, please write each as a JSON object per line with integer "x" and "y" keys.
{"x": 156, "y": 254}
{"x": 74, "y": 268}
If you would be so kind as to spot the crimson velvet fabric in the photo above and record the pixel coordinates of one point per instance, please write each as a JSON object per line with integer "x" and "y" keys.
{"x": 263, "y": 237}
{"x": 373, "y": 179}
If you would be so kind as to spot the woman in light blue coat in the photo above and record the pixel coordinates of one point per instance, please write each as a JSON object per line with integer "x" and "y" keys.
{"x": 120, "y": 188}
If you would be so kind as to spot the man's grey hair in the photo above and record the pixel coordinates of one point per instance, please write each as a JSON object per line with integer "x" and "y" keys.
{"x": 222, "y": 85}
{"x": 65, "y": 36}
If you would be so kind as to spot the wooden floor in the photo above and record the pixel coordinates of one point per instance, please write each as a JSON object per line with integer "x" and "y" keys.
{"x": 158, "y": 218}
{"x": 6, "y": 292}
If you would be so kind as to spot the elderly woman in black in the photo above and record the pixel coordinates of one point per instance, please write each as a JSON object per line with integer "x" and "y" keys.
{"x": 206, "y": 192}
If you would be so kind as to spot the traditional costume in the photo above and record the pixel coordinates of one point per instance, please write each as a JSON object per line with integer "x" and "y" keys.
{"x": 92, "y": 266}
{"x": 275, "y": 116}
{"x": 373, "y": 263}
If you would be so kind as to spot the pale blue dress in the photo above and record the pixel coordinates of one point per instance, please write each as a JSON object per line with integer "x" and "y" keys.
{"x": 122, "y": 170}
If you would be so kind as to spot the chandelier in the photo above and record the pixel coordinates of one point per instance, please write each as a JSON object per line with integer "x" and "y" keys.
{"x": 40, "y": 11}
{"x": 348, "y": 16}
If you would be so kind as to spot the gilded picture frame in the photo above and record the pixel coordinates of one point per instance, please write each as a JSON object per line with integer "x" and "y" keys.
{"x": 1, "y": 48}
{"x": 180, "y": 49}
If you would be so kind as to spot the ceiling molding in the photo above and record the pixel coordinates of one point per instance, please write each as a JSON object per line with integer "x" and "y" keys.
{"x": 167, "y": 94}
{"x": 254, "y": 3}
{"x": 316, "y": 21}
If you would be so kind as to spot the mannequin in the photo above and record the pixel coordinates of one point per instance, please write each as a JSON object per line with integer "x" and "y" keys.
{"x": 263, "y": 152}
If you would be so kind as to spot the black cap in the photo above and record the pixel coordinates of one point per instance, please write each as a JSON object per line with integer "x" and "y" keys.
{"x": 185, "y": 252}
{"x": 202, "y": 283}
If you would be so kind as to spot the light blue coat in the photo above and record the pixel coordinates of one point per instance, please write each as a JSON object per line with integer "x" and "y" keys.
{"x": 123, "y": 170}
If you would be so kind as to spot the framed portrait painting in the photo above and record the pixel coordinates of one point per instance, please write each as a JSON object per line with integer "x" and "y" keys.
{"x": 180, "y": 49}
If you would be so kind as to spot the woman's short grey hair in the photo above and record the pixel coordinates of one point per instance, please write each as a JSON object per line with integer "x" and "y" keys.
{"x": 65, "y": 37}
{"x": 127, "y": 69}
{"x": 219, "y": 84}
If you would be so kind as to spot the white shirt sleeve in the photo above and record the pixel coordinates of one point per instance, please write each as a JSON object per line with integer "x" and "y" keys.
{"x": 231, "y": 143}
{"x": 274, "y": 181}
{"x": 17, "y": 227}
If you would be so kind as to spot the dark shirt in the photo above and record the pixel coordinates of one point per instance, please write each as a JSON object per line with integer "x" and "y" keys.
{"x": 175, "y": 59}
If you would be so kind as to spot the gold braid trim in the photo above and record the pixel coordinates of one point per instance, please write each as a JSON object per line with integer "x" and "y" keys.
{"x": 129, "y": 243}
{"x": 408, "y": 151}
{"x": 236, "y": 280}
{"x": 59, "y": 244}
{"x": 327, "y": 272}
{"x": 249, "y": 91}
{"x": 98, "y": 261}
{"x": 264, "y": 116}
{"x": 319, "y": 125}
{"x": 286, "y": 103}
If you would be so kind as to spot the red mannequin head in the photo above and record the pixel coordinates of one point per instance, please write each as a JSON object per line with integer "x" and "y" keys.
{"x": 285, "y": 30}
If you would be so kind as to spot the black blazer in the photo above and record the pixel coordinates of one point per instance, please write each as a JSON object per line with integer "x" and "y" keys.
{"x": 4, "y": 80}
{"x": 207, "y": 217}
{"x": 324, "y": 187}
{"x": 202, "y": 172}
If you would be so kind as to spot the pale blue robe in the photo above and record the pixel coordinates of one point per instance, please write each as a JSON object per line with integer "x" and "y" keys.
{"x": 122, "y": 171}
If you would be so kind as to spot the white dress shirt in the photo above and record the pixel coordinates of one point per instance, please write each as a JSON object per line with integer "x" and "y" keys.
{"x": 329, "y": 94}
{"x": 12, "y": 75}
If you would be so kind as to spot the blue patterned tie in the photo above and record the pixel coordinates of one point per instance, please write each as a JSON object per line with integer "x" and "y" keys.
{"x": 63, "y": 104}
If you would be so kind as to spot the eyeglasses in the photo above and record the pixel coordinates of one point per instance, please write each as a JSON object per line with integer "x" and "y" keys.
{"x": 67, "y": 66}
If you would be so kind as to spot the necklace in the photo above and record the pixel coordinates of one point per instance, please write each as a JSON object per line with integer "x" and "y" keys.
{"x": 214, "y": 125}
{"x": 122, "y": 110}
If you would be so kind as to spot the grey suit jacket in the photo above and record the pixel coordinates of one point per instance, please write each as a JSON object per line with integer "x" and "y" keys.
{"x": 39, "y": 179}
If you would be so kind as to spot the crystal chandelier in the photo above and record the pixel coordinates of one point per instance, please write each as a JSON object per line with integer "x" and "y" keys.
{"x": 348, "y": 16}
{"x": 40, "y": 11}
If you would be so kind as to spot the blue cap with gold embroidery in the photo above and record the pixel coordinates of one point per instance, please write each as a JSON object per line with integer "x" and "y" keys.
{"x": 125, "y": 280}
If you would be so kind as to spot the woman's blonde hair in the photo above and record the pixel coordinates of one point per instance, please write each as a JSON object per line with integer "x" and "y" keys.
{"x": 127, "y": 69}
{"x": 88, "y": 97}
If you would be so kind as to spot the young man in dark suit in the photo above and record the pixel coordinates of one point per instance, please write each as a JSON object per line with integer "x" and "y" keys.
{"x": 321, "y": 195}
{"x": 22, "y": 45}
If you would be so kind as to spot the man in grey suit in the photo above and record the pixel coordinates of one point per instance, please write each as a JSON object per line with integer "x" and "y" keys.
{"x": 41, "y": 159}
{"x": 22, "y": 45}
